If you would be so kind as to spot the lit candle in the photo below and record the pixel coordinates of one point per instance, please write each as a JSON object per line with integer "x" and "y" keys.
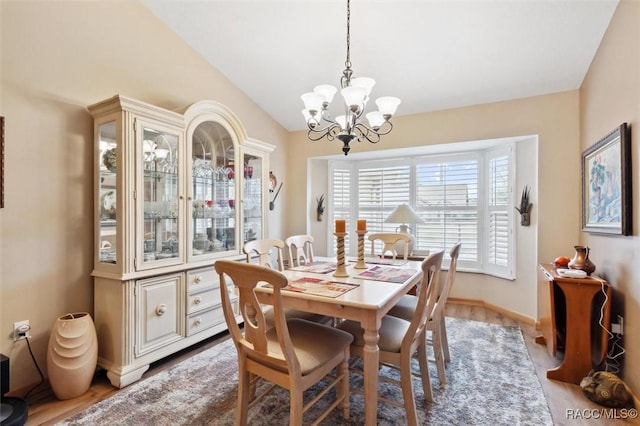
{"x": 341, "y": 226}
{"x": 362, "y": 224}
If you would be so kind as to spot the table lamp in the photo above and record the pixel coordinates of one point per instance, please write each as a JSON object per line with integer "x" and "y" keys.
{"x": 404, "y": 214}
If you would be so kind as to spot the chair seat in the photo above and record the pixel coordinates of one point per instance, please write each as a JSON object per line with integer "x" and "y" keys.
{"x": 405, "y": 307}
{"x": 314, "y": 344}
{"x": 295, "y": 314}
{"x": 391, "y": 333}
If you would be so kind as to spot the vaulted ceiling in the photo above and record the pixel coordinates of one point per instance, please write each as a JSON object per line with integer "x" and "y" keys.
{"x": 433, "y": 54}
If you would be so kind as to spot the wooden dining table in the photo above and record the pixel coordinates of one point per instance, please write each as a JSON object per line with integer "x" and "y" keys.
{"x": 366, "y": 302}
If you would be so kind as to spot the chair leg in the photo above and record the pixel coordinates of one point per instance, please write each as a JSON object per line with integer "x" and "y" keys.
{"x": 243, "y": 398}
{"x": 296, "y": 408}
{"x": 407, "y": 390}
{"x": 424, "y": 372}
{"x": 436, "y": 337}
{"x": 445, "y": 341}
{"x": 343, "y": 388}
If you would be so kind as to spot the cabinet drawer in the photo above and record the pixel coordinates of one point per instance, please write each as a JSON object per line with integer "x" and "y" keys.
{"x": 199, "y": 279}
{"x": 203, "y": 300}
{"x": 204, "y": 319}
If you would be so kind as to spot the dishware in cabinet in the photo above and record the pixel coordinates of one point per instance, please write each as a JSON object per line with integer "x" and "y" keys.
{"x": 255, "y": 196}
{"x": 138, "y": 186}
{"x": 223, "y": 164}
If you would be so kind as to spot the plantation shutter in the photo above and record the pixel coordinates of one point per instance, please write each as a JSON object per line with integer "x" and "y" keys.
{"x": 380, "y": 190}
{"x": 341, "y": 200}
{"x": 447, "y": 201}
{"x": 499, "y": 214}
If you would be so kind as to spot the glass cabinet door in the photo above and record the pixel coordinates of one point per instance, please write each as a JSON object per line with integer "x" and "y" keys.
{"x": 107, "y": 241}
{"x": 160, "y": 191}
{"x": 213, "y": 180}
{"x": 253, "y": 194}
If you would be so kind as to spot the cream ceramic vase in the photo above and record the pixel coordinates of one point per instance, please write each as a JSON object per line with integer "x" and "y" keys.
{"x": 72, "y": 355}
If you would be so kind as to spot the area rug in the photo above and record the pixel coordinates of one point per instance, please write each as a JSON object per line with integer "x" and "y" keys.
{"x": 490, "y": 381}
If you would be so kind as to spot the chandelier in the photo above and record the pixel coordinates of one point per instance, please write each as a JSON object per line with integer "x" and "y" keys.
{"x": 355, "y": 91}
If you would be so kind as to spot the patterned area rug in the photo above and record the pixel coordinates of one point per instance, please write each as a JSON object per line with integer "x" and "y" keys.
{"x": 490, "y": 381}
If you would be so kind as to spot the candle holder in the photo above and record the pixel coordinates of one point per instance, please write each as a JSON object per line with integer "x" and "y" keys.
{"x": 360, "y": 263}
{"x": 341, "y": 271}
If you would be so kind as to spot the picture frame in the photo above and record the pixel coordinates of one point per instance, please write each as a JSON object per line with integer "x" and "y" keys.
{"x": 606, "y": 184}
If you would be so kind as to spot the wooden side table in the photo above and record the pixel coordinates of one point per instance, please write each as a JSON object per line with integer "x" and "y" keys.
{"x": 569, "y": 310}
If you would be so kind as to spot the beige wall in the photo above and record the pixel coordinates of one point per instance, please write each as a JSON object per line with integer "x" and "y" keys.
{"x": 609, "y": 96}
{"x": 57, "y": 58}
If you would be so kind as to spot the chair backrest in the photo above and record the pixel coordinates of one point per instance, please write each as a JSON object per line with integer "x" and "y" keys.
{"x": 253, "y": 343}
{"x": 427, "y": 295}
{"x": 451, "y": 276}
{"x": 263, "y": 248}
{"x": 300, "y": 249}
{"x": 389, "y": 240}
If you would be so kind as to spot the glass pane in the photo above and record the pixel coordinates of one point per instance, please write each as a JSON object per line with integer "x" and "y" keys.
{"x": 214, "y": 177}
{"x": 160, "y": 195}
{"x": 107, "y": 190}
{"x": 252, "y": 198}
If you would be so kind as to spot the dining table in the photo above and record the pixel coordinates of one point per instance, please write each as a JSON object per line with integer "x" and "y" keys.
{"x": 365, "y": 295}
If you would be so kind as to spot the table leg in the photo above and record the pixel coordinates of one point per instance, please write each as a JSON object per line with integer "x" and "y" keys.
{"x": 371, "y": 358}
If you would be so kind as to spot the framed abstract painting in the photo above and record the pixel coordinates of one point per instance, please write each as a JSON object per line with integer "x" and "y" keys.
{"x": 606, "y": 184}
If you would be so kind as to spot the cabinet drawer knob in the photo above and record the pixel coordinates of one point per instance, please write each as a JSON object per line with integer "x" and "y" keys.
{"x": 161, "y": 309}
{"x": 197, "y": 322}
{"x": 197, "y": 279}
{"x": 197, "y": 300}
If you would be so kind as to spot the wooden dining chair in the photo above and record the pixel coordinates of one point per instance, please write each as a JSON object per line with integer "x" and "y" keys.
{"x": 389, "y": 240}
{"x": 263, "y": 249}
{"x": 400, "y": 339}
{"x": 300, "y": 249}
{"x": 295, "y": 354}
{"x": 406, "y": 309}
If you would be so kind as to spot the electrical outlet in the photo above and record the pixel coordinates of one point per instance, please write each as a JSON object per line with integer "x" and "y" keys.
{"x": 618, "y": 328}
{"x": 21, "y": 330}
{"x": 621, "y": 322}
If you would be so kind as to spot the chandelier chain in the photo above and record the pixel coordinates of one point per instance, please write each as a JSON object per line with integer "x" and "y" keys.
{"x": 347, "y": 63}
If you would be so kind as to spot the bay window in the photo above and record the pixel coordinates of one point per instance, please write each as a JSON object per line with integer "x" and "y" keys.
{"x": 466, "y": 196}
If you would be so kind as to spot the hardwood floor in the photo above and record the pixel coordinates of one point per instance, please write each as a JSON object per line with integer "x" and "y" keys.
{"x": 566, "y": 401}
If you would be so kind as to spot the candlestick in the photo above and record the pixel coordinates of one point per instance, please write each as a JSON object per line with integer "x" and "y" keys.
{"x": 362, "y": 225}
{"x": 341, "y": 226}
{"x": 360, "y": 263}
{"x": 341, "y": 271}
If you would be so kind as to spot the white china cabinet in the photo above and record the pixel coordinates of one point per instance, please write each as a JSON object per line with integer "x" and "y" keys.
{"x": 173, "y": 193}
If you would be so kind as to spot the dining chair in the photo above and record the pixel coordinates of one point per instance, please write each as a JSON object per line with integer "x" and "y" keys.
{"x": 406, "y": 309}
{"x": 389, "y": 240}
{"x": 400, "y": 339}
{"x": 263, "y": 248}
{"x": 295, "y": 354}
{"x": 300, "y": 249}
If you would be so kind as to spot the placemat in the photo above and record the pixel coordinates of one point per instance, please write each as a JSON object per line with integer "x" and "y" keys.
{"x": 318, "y": 267}
{"x": 319, "y": 287}
{"x": 386, "y": 273}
